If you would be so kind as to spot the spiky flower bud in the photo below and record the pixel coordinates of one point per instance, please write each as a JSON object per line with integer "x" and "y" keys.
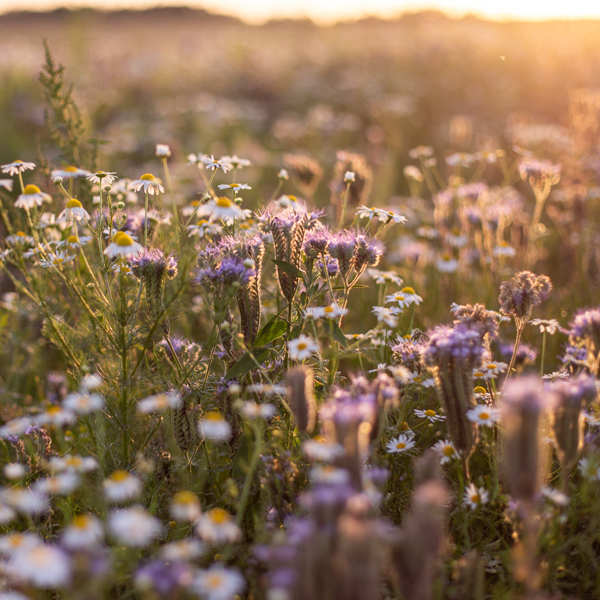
{"x": 524, "y": 292}
{"x": 184, "y": 424}
{"x": 302, "y": 398}
{"x": 522, "y": 410}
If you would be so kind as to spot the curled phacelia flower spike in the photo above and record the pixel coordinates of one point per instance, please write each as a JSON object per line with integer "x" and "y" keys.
{"x": 524, "y": 292}
{"x": 477, "y": 315}
{"x": 452, "y": 353}
{"x": 584, "y": 336}
{"x": 302, "y": 398}
{"x": 305, "y": 172}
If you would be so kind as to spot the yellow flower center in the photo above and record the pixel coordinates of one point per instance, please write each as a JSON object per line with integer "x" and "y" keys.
{"x": 20, "y": 162}
{"x": 148, "y": 177}
{"x": 73, "y": 461}
{"x": 430, "y": 413}
{"x": 475, "y": 498}
{"x": 234, "y": 185}
{"x": 328, "y": 309}
{"x": 213, "y": 416}
{"x": 21, "y": 234}
{"x": 293, "y": 198}
{"x": 202, "y": 222}
{"x": 122, "y": 239}
{"x": 417, "y": 379}
{"x": 399, "y": 298}
{"x": 483, "y": 416}
{"x": 479, "y": 390}
{"x": 81, "y": 521}
{"x": 71, "y": 169}
{"x": 491, "y": 366}
{"x": 72, "y": 239}
{"x": 100, "y": 174}
{"x": 478, "y": 374}
{"x": 447, "y": 256}
{"x": 214, "y": 580}
{"x": 448, "y": 451}
{"x": 54, "y": 410}
{"x": 31, "y": 189}
{"x": 407, "y": 290}
{"x": 219, "y": 516}
{"x": 302, "y": 346}
{"x": 400, "y": 445}
{"x": 120, "y": 476}
{"x": 74, "y": 203}
{"x": 185, "y": 497}
{"x": 223, "y": 202}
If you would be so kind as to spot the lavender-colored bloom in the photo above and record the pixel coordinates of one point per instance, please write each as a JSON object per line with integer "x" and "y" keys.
{"x": 231, "y": 270}
{"x": 538, "y": 169}
{"x": 477, "y": 316}
{"x": 459, "y": 343}
{"x": 341, "y": 247}
{"x": 574, "y": 355}
{"x": 524, "y": 292}
{"x": 164, "y": 578}
{"x": 333, "y": 267}
{"x": 586, "y": 327}
{"x": 367, "y": 253}
{"x": 526, "y": 354}
{"x": 316, "y": 242}
{"x": 153, "y": 263}
{"x": 407, "y": 351}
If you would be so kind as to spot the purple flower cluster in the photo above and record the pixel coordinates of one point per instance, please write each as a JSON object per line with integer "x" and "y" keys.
{"x": 153, "y": 263}
{"x": 164, "y": 578}
{"x": 586, "y": 327}
{"x": 526, "y": 354}
{"x": 407, "y": 351}
{"x": 229, "y": 271}
{"x": 460, "y": 343}
{"x": 524, "y": 292}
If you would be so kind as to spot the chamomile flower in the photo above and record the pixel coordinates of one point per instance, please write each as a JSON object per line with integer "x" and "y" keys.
{"x": 7, "y": 184}
{"x": 474, "y": 497}
{"x": 322, "y": 449}
{"x": 204, "y": 228}
{"x": 69, "y": 173}
{"x": 302, "y": 347}
{"x": 16, "y": 167}
{"x": 57, "y": 259}
{"x": 74, "y": 211}
{"x": 489, "y": 370}
{"x": 214, "y": 427}
{"x": 43, "y": 566}
{"x": 91, "y": 382}
{"x": 121, "y": 486}
{"x": 15, "y": 427}
{"x": 446, "y": 263}
{"x": 58, "y": 485}
{"x": 149, "y": 183}
{"x": 389, "y": 316}
{"x": 185, "y": 507}
{"x": 163, "y": 151}
{"x": 134, "y": 526}
{"x": 32, "y": 196}
{"x": 102, "y": 177}
{"x": 481, "y": 394}
{"x": 446, "y": 451}
{"x": 483, "y": 415}
{"x": 555, "y": 496}
{"x": 218, "y": 526}
{"x": 84, "y": 532}
{"x": 235, "y": 161}
{"x": 364, "y": 212}
{"x": 56, "y": 415}
{"x": 590, "y": 468}
{"x": 123, "y": 245}
{"x": 236, "y": 187}
{"x": 159, "y": 402}
{"x": 73, "y": 462}
{"x": 74, "y": 241}
{"x": 83, "y": 404}
{"x": 383, "y": 277}
{"x": 15, "y": 471}
{"x": 333, "y": 311}
{"x": 504, "y": 250}
{"x": 267, "y": 389}
{"x": 403, "y": 443}
{"x": 24, "y": 500}
{"x": 421, "y": 379}
{"x": 388, "y": 216}
{"x": 182, "y": 550}
{"x": 329, "y": 475}
{"x": 13, "y": 542}
{"x": 7, "y": 514}
{"x": 218, "y": 583}
{"x": 210, "y": 163}
{"x": 546, "y": 326}
{"x": 222, "y": 208}
{"x": 19, "y": 239}
{"x": 430, "y": 415}
{"x": 289, "y": 201}
{"x": 405, "y": 297}
{"x": 253, "y": 410}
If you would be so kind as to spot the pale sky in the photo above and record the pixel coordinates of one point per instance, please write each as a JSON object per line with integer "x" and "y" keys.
{"x": 327, "y": 11}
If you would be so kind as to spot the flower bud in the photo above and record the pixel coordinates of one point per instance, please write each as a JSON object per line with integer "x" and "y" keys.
{"x": 302, "y": 398}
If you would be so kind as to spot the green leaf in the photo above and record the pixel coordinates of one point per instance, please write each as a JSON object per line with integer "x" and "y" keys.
{"x": 246, "y": 363}
{"x": 288, "y": 268}
{"x": 273, "y": 330}
{"x": 338, "y": 334}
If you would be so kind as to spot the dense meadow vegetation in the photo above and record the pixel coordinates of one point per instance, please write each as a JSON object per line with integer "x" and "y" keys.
{"x": 292, "y": 312}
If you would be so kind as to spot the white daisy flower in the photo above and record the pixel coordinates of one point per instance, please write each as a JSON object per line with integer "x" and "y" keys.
{"x": 74, "y": 211}
{"x": 24, "y": 500}
{"x": 481, "y": 394}
{"x": 483, "y": 415}
{"x": 267, "y": 389}
{"x": 333, "y": 311}
{"x": 123, "y": 245}
{"x": 405, "y": 297}
{"x": 19, "y": 239}
{"x": 84, "y": 532}
{"x": 588, "y": 467}
{"x": 474, "y": 497}
{"x": 56, "y": 259}
{"x": 421, "y": 379}
{"x": 49, "y": 220}
{"x": 556, "y": 375}
{"x": 383, "y": 277}
{"x": 184, "y": 550}
{"x": 196, "y": 159}
{"x": 456, "y": 239}
{"x": 59, "y": 485}
{"x": 446, "y": 264}
{"x": 546, "y": 326}
{"x": 446, "y": 451}
{"x": 222, "y": 208}
{"x": 7, "y": 184}
{"x": 83, "y": 404}
{"x": 489, "y": 370}
{"x": 380, "y": 368}
{"x": 69, "y": 173}
{"x": 91, "y": 382}
{"x": 204, "y": 228}
{"x": 102, "y": 177}
{"x": 403, "y": 443}
{"x": 159, "y": 402}
{"x": 7, "y": 514}
{"x": 43, "y": 566}
{"x": 329, "y": 475}
{"x": 32, "y": 196}
{"x": 13, "y": 542}
{"x": 236, "y": 187}
{"x": 121, "y": 486}
{"x": 15, "y": 427}
{"x": 283, "y": 174}
{"x": 253, "y": 410}
{"x": 163, "y": 151}
{"x": 214, "y": 427}
{"x": 74, "y": 241}
{"x": 73, "y": 462}
{"x": 185, "y": 507}
{"x": 302, "y": 347}
{"x": 218, "y": 583}
{"x": 14, "y": 168}
{"x": 322, "y": 449}
{"x": 149, "y": 183}
{"x": 389, "y": 316}
{"x": 504, "y": 250}
{"x": 555, "y": 496}
{"x": 134, "y": 526}
{"x": 429, "y": 414}
{"x": 400, "y": 373}
{"x": 15, "y": 471}
{"x": 235, "y": 161}
{"x": 56, "y": 415}
{"x": 218, "y": 526}
{"x": 211, "y": 163}
{"x": 290, "y": 201}
{"x": 387, "y": 216}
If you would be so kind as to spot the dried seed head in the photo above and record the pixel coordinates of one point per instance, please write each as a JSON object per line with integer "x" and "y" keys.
{"x": 302, "y": 398}
{"x": 525, "y": 291}
{"x": 477, "y": 315}
{"x": 305, "y": 172}
{"x": 360, "y": 183}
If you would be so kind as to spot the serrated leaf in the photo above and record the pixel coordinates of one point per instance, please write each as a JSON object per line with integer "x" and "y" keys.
{"x": 273, "y": 330}
{"x": 338, "y": 335}
{"x": 288, "y": 268}
{"x": 246, "y": 363}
